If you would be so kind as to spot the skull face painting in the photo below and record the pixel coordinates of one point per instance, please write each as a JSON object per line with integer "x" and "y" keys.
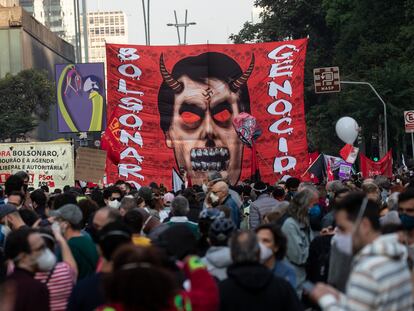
{"x": 197, "y": 103}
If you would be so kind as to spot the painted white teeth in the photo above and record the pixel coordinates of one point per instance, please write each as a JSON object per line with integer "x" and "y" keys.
{"x": 205, "y": 152}
{"x": 213, "y": 165}
{"x": 199, "y": 152}
{"x": 193, "y": 153}
{"x": 222, "y": 152}
{"x": 219, "y": 166}
{"x": 211, "y": 152}
{"x": 203, "y": 165}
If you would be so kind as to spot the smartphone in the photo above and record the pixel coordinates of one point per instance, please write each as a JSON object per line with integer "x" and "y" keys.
{"x": 308, "y": 287}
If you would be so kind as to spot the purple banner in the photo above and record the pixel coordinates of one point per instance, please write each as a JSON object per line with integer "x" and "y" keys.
{"x": 80, "y": 91}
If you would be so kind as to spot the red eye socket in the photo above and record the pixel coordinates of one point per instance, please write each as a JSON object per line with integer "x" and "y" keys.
{"x": 190, "y": 117}
{"x": 222, "y": 116}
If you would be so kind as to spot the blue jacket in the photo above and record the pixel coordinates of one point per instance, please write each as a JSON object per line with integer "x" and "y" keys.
{"x": 235, "y": 211}
{"x": 285, "y": 271}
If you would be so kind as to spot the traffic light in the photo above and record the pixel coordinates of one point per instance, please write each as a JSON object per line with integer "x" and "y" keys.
{"x": 374, "y": 148}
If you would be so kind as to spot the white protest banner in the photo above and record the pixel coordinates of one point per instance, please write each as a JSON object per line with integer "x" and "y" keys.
{"x": 47, "y": 163}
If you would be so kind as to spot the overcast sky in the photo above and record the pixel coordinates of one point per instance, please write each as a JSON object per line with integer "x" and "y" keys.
{"x": 216, "y": 19}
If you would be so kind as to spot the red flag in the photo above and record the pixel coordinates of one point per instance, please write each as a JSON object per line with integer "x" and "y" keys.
{"x": 370, "y": 169}
{"x": 110, "y": 142}
{"x": 349, "y": 153}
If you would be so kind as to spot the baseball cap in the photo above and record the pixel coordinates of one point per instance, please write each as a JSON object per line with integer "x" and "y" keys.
{"x": 6, "y": 209}
{"x": 69, "y": 212}
{"x": 214, "y": 176}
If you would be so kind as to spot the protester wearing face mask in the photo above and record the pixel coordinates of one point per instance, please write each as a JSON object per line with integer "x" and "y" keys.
{"x": 11, "y": 217}
{"x": 299, "y": 234}
{"x": 69, "y": 219}
{"x": 406, "y": 212}
{"x": 219, "y": 195}
{"x": 112, "y": 197}
{"x": 27, "y": 250}
{"x": 273, "y": 250}
{"x": 379, "y": 279}
{"x": 62, "y": 276}
{"x": 250, "y": 285}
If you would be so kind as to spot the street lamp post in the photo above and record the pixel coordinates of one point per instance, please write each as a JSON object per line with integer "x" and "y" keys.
{"x": 384, "y": 106}
{"x": 178, "y": 25}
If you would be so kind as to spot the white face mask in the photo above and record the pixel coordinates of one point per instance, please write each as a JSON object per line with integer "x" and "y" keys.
{"x": 114, "y": 204}
{"x": 46, "y": 261}
{"x": 265, "y": 253}
{"x": 214, "y": 198}
{"x": 205, "y": 188}
{"x": 343, "y": 242}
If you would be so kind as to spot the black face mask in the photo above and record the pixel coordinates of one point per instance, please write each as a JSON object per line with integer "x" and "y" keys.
{"x": 94, "y": 233}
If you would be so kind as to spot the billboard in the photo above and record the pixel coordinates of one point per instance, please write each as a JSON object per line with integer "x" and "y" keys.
{"x": 172, "y": 107}
{"x": 47, "y": 163}
{"x": 80, "y": 91}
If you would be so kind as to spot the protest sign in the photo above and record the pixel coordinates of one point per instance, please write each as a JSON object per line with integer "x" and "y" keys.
{"x": 172, "y": 107}
{"x": 90, "y": 164}
{"x": 47, "y": 163}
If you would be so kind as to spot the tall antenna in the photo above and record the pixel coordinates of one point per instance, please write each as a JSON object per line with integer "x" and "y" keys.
{"x": 178, "y": 25}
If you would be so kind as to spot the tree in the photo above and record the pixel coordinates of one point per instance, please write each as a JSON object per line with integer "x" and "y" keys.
{"x": 369, "y": 40}
{"x": 25, "y": 98}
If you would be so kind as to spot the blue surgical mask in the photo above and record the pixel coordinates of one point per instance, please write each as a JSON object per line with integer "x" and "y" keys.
{"x": 407, "y": 221}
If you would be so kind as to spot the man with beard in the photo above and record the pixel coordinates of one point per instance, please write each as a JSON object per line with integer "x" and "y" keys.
{"x": 197, "y": 103}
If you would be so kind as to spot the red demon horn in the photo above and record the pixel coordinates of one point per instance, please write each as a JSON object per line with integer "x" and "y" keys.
{"x": 236, "y": 85}
{"x": 176, "y": 86}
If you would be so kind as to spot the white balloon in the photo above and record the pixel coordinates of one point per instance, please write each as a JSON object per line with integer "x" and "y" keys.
{"x": 347, "y": 129}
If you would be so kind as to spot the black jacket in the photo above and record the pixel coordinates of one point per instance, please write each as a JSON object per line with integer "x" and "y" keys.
{"x": 252, "y": 286}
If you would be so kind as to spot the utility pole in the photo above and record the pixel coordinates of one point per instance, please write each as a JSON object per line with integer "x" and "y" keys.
{"x": 146, "y": 13}
{"x": 85, "y": 30}
{"x": 177, "y": 25}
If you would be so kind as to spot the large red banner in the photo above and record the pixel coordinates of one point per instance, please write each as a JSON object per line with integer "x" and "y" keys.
{"x": 172, "y": 107}
{"x": 370, "y": 169}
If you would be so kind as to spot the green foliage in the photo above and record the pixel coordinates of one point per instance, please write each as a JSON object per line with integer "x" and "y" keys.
{"x": 371, "y": 40}
{"x": 24, "y": 99}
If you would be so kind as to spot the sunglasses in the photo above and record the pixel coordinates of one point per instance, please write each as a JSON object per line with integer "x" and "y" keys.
{"x": 113, "y": 199}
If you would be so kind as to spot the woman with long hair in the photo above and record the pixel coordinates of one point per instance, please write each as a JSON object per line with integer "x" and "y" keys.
{"x": 298, "y": 232}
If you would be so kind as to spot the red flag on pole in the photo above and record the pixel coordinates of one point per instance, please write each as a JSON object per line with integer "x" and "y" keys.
{"x": 370, "y": 169}
{"x": 110, "y": 142}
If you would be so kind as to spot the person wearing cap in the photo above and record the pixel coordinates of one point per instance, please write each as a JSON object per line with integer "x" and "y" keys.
{"x": 264, "y": 204}
{"x": 217, "y": 257}
{"x": 70, "y": 220}
{"x": 62, "y": 277}
{"x": 11, "y": 218}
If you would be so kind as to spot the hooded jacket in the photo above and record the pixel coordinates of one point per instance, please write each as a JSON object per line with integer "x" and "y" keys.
{"x": 217, "y": 259}
{"x": 380, "y": 279}
{"x": 251, "y": 286}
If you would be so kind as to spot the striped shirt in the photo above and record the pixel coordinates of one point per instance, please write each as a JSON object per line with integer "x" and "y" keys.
{"x": 60, "y": 285}
{"x": 380, "y": 279}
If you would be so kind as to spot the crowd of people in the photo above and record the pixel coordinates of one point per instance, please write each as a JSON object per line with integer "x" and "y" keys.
{"x": 293, "y": 245}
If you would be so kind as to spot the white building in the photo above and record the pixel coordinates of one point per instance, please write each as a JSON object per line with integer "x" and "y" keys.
{"x": 110, "y": 27}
